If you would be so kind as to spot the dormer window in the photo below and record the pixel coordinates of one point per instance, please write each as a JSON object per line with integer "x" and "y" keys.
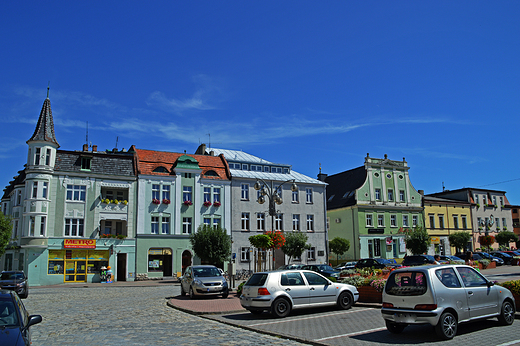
{"x": 85, "y": 163}
{"x": 160, "y": 169}
{"x": 211, "y": 173}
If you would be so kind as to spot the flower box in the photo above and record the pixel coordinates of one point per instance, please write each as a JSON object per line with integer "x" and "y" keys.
{"x": 207, "y": 204}
{"x": 156, "y": 201}
{"x": 187, "y": 203}
{"x": 166, "y": 201}
{"x": 491, "y": 265}
{"x": 368, "y": 294}
{"x": 216, "y": 204}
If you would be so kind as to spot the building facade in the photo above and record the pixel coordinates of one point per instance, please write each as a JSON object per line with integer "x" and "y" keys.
{"x": 301, "y": 210}
{"x": 370, "y": 205}
{"x": 176, "y": 194}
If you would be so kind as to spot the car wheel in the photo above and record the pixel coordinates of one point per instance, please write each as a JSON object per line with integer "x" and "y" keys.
{"x": 345, "y": 300}
{"x": 183, "y": 293}
{"x": 225, "y": 294}
{"x": 192, "y": 294}
{"x": 507, "y": 314}
{"x": 447, "y": 326}
{"x": 281, "y": 307}
{"x": 395, "y": 328}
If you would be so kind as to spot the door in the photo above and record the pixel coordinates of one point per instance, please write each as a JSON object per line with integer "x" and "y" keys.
{"x": 295, "y": 286}
{"x": 320, "y": 292}
{"x": 76, "y": 271}
{"x": 121, "y": 267}
{"x": 482, "y": 299}
{"x": 186, "y": 260}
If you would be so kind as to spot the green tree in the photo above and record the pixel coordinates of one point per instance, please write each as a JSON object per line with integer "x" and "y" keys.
{"x": 459, "y": 240}
{"x": 211, "y": 244}
{"x": 5, "y": 232}
{"x": 260, "y": 241}
{"x": 339, "y": 246}
{"x": 295, "y": 244}
{"x": 506, "y": 237}
{"x": 416, "y": 239}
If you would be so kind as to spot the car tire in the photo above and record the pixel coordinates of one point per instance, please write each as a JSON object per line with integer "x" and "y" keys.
{"x": 447, "y": 326}
{"x": 281, "y": 307}
{"x": 395, "y": 328}
{"x": 183, "y": 292}
{"x": 25, "y": 295}
{"x": 192, "y": 294}
{"x": 225, "y": 294}
{"x": 345, "y": 300}
{"x": 507, "y": 313}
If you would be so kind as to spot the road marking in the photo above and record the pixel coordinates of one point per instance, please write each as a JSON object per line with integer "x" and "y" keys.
{"x": 514, "y": 342}
{"x": 351, "y": 334}
{"x": 308, "y": 318}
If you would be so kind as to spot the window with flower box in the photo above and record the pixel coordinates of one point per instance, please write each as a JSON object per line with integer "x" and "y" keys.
{"x": 156, "y": 191}
{"x": 187, "y": 193}
{"x": 216, "y": 195}
{"x": 207, "y": 194}
{"x": 166, "y": 193}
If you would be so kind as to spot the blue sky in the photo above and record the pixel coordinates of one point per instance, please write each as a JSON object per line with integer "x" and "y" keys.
{"x": 297, "y": 82}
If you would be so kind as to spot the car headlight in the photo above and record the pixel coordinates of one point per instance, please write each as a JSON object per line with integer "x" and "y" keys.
{"x": 197, "y": 282}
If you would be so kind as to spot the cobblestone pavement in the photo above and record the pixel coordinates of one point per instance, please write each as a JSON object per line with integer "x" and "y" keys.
{"x": 114, "y": 315}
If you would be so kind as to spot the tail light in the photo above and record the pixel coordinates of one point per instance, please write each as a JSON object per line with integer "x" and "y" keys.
{"x": 262, "y": 291}
{"x": 388, "y": 305}
{"x": 425, "y": 307}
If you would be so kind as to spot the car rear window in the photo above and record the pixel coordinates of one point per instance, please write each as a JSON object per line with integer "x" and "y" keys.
{"x": 408, "y": 283}
{"x": 257, "y": 279}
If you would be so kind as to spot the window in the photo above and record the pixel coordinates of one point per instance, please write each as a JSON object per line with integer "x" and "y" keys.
{"x": 156, "y": 191}
{"x": 276, "y": 169}
{"x": 378, "y": 194}
{"x": 380, "y": 220}
{"x": 155, "y": 225}
{"x": 504, "y": 224}
{"x": 260, "y": 221}
{"x": 390, "y": 195}
{"x": 278, "y": 222}
{"x": 85, "y": 163}
{"x": 432, "y": 220}
{"x": 15, "y": 229}
{"x": 494, "y": 200}
{"x": 245, "y": 221}
{"x": 310, "y": 223}
{"x": 165, "y": 226}
{"x": 244, "y": 167}
{"x": 401, "y": 195}
{"x": 216, "y": 194}
{"x": 37, "y": 155}
{"x": 216, "y": 222}
{"x": 186, "y": 225}
{"x": 207, "y": 221}
{"x": 311, "y": 254}
{"x": 479, "y": 222}
{"x": 31, "y": 226}
{"x": 244, "y": 254}
{"x": 45, "y": 188}
{"x": 207, "y": 194}
{"x": 415, "y": 220}
{"x": 266, "y": 168}
{"x": 502, "y": 201}
{"x": 497, "y": 222}
{"x": 35, "y": 189}
{"x": 296, "y": 222}
{"x": 245, "y": 192}
{"x": 186, "y": 193}
{"x": 234, "y": 165}
{"x": 476, "y": 199}
{"x": 368, "y": 218}
{"x": 42, "y": 225}
{"x": 256, "y": 168}
{"x": 393, "y": 220}
{"x": 76, "y": 192}
{"x": 405, "y": 221}
{"x": 308, "y": 195}
{"x": 74, "y": 227}
{"x": 166, "y": 192}
{"x": 464, "y": 221}
{"x": 18, "y": 197}
{"x": 456, "y": 221}
{"x": 48, "y": 158}
{"x": 295, "y": 196}
{"x": 441, "y": 221}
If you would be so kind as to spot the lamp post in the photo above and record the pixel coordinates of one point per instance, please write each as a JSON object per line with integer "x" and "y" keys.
{"x": 270, "y": 192}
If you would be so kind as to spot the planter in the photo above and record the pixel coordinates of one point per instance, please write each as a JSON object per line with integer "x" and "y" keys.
{"x": 368, "y": 294}
{"x": 489, "y": 266}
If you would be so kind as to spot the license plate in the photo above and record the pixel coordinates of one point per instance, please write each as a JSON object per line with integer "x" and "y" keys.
{"x": 404, "y": 318}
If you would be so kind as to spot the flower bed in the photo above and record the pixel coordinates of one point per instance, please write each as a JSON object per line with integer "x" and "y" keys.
{"x": 514, "y": 287}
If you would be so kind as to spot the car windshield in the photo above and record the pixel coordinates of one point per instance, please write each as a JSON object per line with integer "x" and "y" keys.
{"x": 206, "y": 272}
{"x": 325, "y": 267}
{"x": 383, "y": 261}
{"x": 8, "y": 315}
{"x": 11, "y": 276}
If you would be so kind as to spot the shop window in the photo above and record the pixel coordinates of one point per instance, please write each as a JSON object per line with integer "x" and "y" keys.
{"x": 158, "y": 258}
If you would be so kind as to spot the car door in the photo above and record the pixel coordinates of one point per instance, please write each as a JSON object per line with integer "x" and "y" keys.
{"x": 482, "y": 297}
{"x": 294, "y": 285}
{"x": 320, "y": 292}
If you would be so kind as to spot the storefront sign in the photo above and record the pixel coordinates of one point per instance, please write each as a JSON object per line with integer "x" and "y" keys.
{"x": 435, "y": 240}
{"x": 79, "y": 243}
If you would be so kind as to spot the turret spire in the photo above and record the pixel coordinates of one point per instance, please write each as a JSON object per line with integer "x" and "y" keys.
{"x": 45, "y": 127}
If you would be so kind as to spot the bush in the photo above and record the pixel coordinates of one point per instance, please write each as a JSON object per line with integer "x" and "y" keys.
{"x": 513, "y": 286}
{"x": 239, "y": 289}
{"x": 378, "y": 284}
{"x": 357, "y": 281}
{"x": 332, "y": 279}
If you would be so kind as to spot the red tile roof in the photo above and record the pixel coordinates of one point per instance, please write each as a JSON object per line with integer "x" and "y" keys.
{"x": 148, "y": 160}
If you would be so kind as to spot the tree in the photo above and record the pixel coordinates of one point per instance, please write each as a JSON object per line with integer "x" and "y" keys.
{"x": 295, "y": 244}
{"x": 5, "y": 232}
{"x": 211, "y": 244}
{"x": 260, "y": 241}
{"x": 339, "y": 246}
{"x": 416, "y": 239}
{"x": 486, "y": 240}
{"x": 459, "y": 240}
{"x": 506, "y": 237}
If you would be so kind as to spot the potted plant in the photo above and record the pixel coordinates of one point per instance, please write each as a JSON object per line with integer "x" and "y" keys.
{"x": 206, "y": 203}
{"x": 216, "y": 204}
{"x": 156, "y": 201}
{"x": 125, "y": 202}
{"x": 187, "y": 203}
{"x": 166, "y": 201}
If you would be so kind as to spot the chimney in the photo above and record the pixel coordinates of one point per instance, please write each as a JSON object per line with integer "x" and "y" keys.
{"x": 94, "y": 147}
{"x": 212, "y": 153}
{"x": 85, "y": 147}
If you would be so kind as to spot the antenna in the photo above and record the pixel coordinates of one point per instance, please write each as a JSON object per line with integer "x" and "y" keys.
{"x": 209, "y": 140}
{"x": 86, "y": 137}
{"x": 117, "y": 140}
{"x": 442, "y": 186}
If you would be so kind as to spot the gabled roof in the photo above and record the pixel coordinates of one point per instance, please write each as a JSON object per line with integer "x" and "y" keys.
{"x": 149, "y": 160}
{"x": 341, "y": 191}
{"x": 45, "y": 127}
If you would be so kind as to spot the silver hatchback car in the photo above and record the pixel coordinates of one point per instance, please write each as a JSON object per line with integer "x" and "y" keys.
{"x": 443, "y": 296}
{"x": 281, "y": 291}
{"x": 204, "y": 280}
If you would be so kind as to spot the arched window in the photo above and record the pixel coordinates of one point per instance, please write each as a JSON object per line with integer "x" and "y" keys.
{"x": 160, "y": 169}
{"x": 211, "y": 173}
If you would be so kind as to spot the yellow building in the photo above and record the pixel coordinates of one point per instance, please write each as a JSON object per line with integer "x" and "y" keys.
{"x": 443, "y": 217}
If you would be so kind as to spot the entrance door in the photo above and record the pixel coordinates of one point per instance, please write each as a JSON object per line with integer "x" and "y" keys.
{"x": 76, "y": 271}
{"x": 186, "y": 260}
{"x": 121, "y": 267}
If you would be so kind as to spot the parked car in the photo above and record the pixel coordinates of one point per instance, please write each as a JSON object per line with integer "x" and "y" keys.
{"x": 346, "y": 265}
{"x": 281, "y": 291}
{"x": 323, "y": 269}
{"x": 15, "y": 280}
{"x": 513, "y": 253}
{"x": 378, "y": 263}
{"x": 291, "y": 267}
{"x": 204, "y": 280}
{"x": 498, "y": 261}
{"x": 443, "y": 296}
{"x": 417, "y": 260}
{"x": 508, "y": 259}
{"x": 452, "y": 258}
{"x": 15, "y": 322}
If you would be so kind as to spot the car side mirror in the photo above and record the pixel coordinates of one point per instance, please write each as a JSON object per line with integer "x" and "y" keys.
{"x": 490, "y": 283}
{"x": 33, "y": 319}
